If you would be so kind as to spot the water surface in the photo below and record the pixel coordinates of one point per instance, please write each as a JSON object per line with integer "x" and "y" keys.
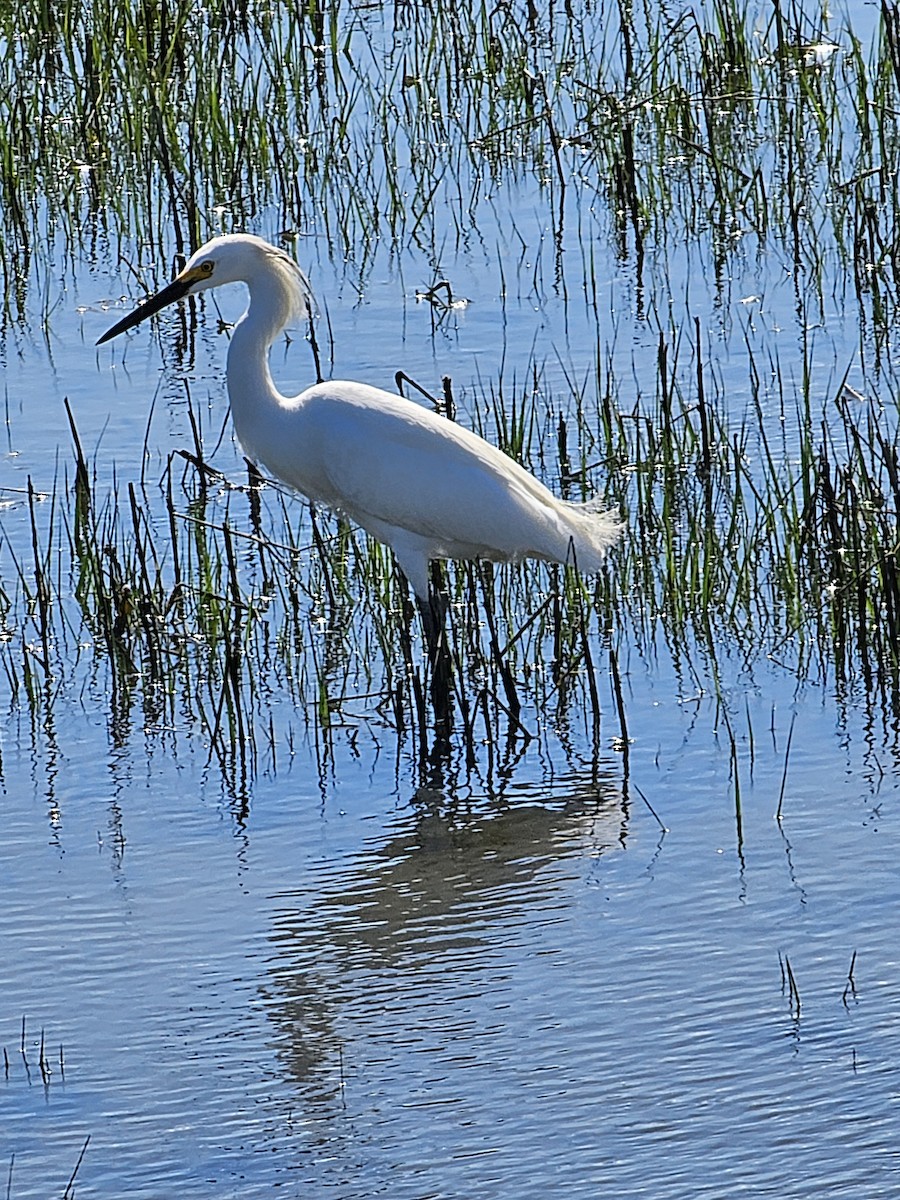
{"x": 554, "y": 971}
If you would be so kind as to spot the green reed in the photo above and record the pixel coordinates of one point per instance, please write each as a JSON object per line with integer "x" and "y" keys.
{"x": 198, "y": 611}
{"x": 696, "y": 138}
{"x": 114, "y": 123}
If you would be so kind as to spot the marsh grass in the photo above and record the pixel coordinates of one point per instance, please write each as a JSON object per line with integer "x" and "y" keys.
{"x": 201, "y": 596}
{"x": 700, "y": 141}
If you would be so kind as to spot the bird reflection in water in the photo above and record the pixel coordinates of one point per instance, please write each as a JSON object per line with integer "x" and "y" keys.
{"x": 447, "y": 893}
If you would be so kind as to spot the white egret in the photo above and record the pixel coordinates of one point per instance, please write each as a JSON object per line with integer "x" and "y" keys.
{"x": 419, "y": 482}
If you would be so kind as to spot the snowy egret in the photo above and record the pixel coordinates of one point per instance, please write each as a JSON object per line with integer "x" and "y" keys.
{"x": 419, "y": 482}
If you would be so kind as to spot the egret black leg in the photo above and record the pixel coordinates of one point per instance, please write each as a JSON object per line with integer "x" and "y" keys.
{"x": 433, "y": 612}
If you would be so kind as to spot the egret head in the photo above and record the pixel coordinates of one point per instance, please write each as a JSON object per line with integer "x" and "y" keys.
{"x": 232, "y": 258}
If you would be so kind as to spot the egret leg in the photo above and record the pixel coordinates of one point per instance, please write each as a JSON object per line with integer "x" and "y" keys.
{"x": 433, "y": 612}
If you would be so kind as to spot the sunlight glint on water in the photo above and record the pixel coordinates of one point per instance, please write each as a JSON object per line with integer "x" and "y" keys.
{"x": 312, "y": 973}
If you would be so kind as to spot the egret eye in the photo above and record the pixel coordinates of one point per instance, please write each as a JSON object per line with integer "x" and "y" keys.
{"x": 207, "y": 268}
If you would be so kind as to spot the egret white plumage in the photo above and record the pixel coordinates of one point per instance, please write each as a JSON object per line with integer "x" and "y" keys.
{"x": 413, "y": 479}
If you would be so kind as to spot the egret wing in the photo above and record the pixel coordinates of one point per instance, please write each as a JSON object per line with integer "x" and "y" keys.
{"x": 391, "y": 460}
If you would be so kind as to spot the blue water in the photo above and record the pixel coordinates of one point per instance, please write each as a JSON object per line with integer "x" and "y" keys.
{"x": 543, "y": 975}
{"x": 376, "y": 990}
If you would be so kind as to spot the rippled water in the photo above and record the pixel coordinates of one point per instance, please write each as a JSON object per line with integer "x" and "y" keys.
{"x": 533, "y": 978}
{"x": 448, "y": 992}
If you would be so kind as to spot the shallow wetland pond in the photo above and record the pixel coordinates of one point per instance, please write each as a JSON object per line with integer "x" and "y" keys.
{"x": 631, "y": 929}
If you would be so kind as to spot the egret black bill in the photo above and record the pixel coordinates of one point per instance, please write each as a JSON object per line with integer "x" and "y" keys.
{"x": 176, "y": 290}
